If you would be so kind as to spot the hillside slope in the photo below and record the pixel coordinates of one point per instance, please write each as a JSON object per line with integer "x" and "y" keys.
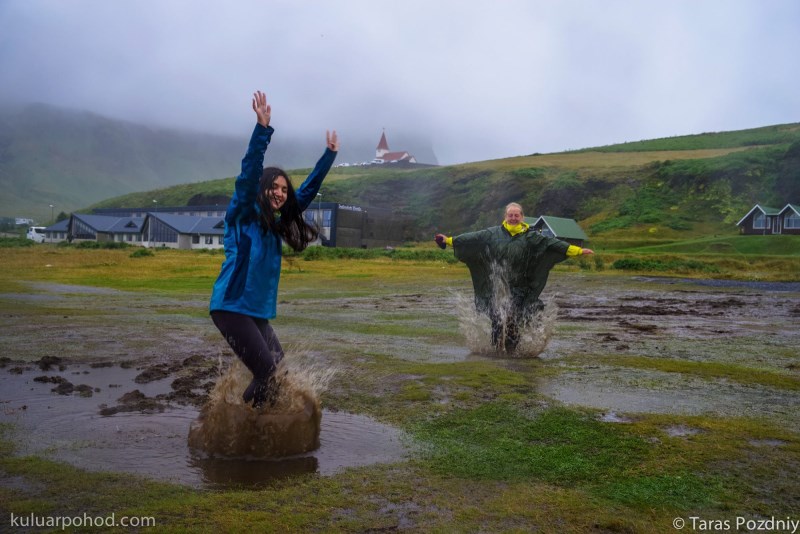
{"x": 661, "y": 192}
{"x": 72, "y": 159}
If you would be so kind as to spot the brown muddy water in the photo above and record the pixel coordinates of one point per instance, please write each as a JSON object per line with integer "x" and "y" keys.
{"x": 112, "y": 418}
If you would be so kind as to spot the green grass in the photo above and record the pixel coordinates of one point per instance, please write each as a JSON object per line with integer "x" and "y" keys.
{"x": 664, "y": 265}
{"x": 405, "y": 254}
{"x": 744, "y": 245}
{"x": 678, "y": 491}
{"x": 498, "y": 442}
{"x": 769, "y": 135}
{"x": 15, "y": 242}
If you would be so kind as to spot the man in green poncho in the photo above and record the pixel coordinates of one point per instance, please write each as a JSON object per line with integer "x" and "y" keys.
{"x": 509, "y": 265}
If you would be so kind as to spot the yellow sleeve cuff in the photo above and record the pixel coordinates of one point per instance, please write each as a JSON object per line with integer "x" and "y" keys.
{"x": 448, "y": 241}
{"x": 574, "y": 251}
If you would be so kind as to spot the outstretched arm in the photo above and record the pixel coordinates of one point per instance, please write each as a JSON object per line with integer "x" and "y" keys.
{"x": 573, "y": 251}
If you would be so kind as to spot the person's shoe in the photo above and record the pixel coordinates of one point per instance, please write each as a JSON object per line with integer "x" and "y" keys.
{"x": 250, "y": 392}
{"x": 266, "y": 393}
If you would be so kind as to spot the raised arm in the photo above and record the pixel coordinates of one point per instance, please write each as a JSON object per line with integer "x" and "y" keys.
{"x": 246, "y": 187}
{"x": 262, "y": 109}
{"x": 332, "y": 140}
{"x": 309, "y": 188}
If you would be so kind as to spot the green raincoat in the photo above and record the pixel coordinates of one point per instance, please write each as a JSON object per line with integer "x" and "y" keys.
{"x": 525, "y": 260}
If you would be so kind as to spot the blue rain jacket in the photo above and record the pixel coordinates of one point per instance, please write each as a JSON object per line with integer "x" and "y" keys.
{"x": 248, "y": 280}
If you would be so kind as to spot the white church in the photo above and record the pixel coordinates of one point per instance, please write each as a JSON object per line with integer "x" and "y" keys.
{"x": 384, "y": 155}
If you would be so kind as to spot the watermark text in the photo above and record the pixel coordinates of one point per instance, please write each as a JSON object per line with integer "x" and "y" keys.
{"x": 80, "y": 521}
{"x": 737, "y": 524}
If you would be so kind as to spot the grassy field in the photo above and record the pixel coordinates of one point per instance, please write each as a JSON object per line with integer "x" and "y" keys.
{"x": 495, "y": 454}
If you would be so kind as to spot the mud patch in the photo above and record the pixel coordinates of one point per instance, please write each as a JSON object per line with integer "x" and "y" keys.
{"x": 138, "y": 428}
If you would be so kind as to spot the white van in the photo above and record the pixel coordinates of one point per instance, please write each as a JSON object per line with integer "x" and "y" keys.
{"x": 36, "y": 234}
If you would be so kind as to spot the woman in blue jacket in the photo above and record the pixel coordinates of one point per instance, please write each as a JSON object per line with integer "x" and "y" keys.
{"x": 264, "y": 212}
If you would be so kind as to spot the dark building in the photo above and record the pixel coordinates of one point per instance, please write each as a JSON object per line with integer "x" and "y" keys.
{"x": 343, "y": 225}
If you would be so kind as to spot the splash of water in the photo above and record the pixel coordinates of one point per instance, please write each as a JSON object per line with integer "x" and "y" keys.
{"x": 227, "y": 427}
{"x": 534, "y": 333}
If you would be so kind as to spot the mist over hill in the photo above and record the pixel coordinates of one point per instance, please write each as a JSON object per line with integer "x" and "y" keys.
{"x": 72, "y": 159}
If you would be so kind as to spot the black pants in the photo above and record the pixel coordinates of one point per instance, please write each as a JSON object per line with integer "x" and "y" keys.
{"x": 253, "y": 340}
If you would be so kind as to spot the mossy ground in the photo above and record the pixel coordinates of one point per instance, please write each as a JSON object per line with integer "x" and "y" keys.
{"x": 494, "y": 452}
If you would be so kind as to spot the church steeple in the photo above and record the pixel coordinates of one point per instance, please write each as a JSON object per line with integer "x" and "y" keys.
{"x": 383, "y": 146}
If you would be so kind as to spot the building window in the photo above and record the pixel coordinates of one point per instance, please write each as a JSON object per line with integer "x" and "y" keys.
{"x": 161, "y": 233}
{"x": 760, "y": 221}
{"x": 209, "y": 240}
{"x": 195, "y": 239}
{"x": 792, "y": 220}
{"x": 220, "y": 239}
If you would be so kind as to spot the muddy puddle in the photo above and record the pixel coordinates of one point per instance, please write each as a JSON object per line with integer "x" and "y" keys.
{"x": 136, "y": 420}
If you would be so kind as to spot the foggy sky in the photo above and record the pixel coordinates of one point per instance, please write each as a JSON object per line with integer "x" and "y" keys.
{"x": 480, "y": 79}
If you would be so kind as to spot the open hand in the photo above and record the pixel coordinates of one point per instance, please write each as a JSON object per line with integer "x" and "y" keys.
{"x": 332, "y": 140}
{"x": 262, "y": 109}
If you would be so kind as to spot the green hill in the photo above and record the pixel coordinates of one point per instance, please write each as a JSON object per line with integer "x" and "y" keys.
{"x": 650, "y": 191}
{"x": 71, "y": 159}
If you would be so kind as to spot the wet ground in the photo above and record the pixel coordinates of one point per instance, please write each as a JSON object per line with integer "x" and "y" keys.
{"x": 137, "y": 420}
{"x": 111, "y": 380}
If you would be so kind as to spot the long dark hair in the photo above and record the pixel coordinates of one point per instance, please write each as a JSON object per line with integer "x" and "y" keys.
{"x": 290, "y": 226}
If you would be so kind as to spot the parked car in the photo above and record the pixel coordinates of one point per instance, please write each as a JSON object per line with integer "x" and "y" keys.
{"x": 36, "y": 234}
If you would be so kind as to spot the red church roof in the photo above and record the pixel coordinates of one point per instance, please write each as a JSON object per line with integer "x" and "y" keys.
{"x": 383, "y": 145}
{"x": 391, "y": 156}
